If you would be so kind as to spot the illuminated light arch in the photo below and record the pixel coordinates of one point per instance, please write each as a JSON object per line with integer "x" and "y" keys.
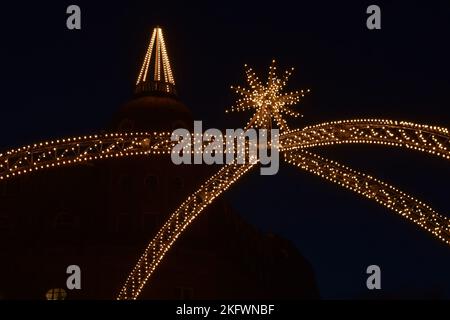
{"x": 386, "y": 195}
{"x": 270, "y": 104}
{"x": 75, "y": 150}
{"x": 71, "y": 151}
{"x": 430, "y": 139}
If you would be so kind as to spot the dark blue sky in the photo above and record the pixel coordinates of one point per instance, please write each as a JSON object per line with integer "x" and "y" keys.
{"x": 57, "y": 82}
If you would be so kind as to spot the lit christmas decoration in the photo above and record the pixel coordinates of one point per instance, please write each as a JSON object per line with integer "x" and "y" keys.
{"x": 267, "y": 99}
{"x": 161, "y": 62}
{"x": 157, "y": 63}
{"x": 270, "y": 105}
{"x": 75, "y": 150}
{"x": 430, "y": 139}
{"x": 372, "y": 188}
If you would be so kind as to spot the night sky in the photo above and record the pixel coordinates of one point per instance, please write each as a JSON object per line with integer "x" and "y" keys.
{"x": 57, "y": 82}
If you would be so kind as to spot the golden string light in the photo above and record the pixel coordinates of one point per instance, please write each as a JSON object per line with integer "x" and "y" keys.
{"x": 270, "y": 104}
{"x": 160, "y": 64}
{"x": 158, "y": 57}
{"x": 75, "y": 150}
{"x": 431, "y": 139}
{"x": 147, "y": 59}
{"x": 62, "y": 152}
{"x": 267, "y": 99}
{"x": 392, "y": 198}
{"x": 166, "y": 62}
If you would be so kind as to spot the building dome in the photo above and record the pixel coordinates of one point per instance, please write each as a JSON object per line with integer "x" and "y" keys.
{"x": 152, "y": 113}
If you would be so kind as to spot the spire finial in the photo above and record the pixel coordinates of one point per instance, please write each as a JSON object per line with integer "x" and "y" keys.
{"x": 156, "y": 74}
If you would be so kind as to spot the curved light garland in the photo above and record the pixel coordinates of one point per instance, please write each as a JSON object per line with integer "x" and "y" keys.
{"x": 386, "y": 195}
{"x": 270, "y": 105}
{"x": 431, "y": 139}
{"x": 75, "y": 150}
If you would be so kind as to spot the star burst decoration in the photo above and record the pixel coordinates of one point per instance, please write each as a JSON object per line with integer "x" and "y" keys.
{"x": 267, "y": 99}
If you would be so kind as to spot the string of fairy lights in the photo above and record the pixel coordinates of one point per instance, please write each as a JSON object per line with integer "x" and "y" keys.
{"x": 147, "y": 59}
{"x": 270, "y": 104}
{"x": 372, "y": 188}
{"x": 74, "y": 150}
{"x": 161, "y": 61}
{"x": 267, "y": 99}
{"x": 430, "y": 139}
{"x": 168, "y": 76}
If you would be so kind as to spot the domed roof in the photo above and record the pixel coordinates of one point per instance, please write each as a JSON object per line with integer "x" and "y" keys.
{"x": 153, "y": 113}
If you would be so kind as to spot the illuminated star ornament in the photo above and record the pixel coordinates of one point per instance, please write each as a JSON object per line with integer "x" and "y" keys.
{"x": 270, "y": 105}
{"x": 267, "y": 99}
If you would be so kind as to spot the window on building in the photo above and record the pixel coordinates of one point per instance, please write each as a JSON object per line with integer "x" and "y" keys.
{"x": 151, "y": 183}
{"x": 125, "y": 184}
{"x": 56, "y": 294}
{"x": 149, "y": 220}
{"x": 123, "y": 222}
{"x": 185, "y": 293}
